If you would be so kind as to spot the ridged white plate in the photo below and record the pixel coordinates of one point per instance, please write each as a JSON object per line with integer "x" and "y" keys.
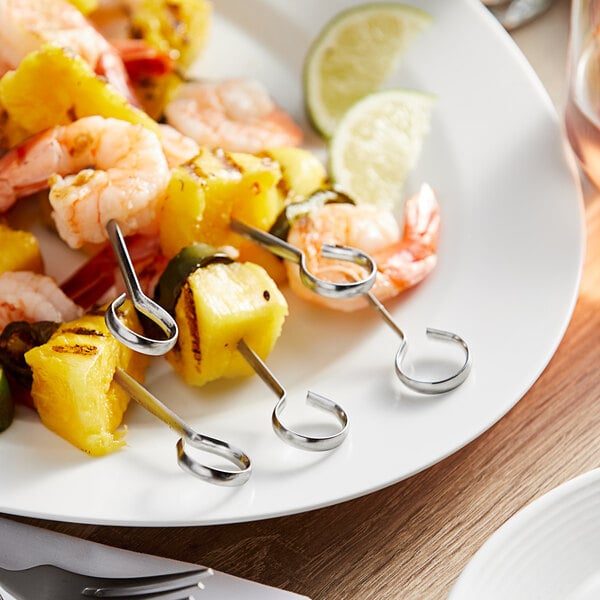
{"x": 550, "y": 550}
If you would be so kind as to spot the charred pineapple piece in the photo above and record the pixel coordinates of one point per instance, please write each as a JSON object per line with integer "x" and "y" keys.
{"x": 302, "y": 173}
{"x": 73, "y": 389}
{"x": 206, "y": 193}
{"x": 177, "y": 27}
{"x": 156, "y": 91}
{"x": 216, "y": 304}
{"x": 76, "y": 91}
{"x": 19, "y": 251}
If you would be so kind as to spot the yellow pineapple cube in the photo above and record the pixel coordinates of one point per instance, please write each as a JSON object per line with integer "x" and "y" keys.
{"x": 73, "y": 389}
{"x": 155, "y": 91}
{"x": 176, "y": 27}
{"x": 34, "y": 104}
{"x": 19, "y": 251}
{"x": 219, "y": 305}
{"x": 302, "y": 173}
{"x": 206, "y": 193}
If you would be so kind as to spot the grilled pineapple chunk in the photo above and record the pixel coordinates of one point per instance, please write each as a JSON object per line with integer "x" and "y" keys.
{"x": 73, "y": 389}
{"x": 34, "y": 105}
{"x": 19, "y": 251}
{"x": 154, "y": 92}
{"x": 218, "y": 306}
{"x": 302, "y": 173}
{"x": 206, "y": 193}
{"x": 176, "y": 27}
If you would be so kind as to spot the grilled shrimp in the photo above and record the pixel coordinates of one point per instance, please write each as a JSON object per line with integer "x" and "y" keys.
{"x": 25, "y": 25}
{"x": 97, "y": 169}
{"x": 28, "y": 296}
{"x": 237, "y": 115}
{"x": 403, "y": 260}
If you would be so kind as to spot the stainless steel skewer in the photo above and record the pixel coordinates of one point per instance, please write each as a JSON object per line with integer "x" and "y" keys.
{"x": 424, "y": 387}
{"x": 289, "y": 436}
{"x": 146, "y": 306}
{"x": 329, "y": 289}
{"x": 224, "y": 477}
{"x": 350, "y": 290}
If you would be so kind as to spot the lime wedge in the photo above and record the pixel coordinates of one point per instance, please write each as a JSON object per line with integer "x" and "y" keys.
{"x": 7, "y": 408}
{"x": 353, "y": 55}
{"x": 377, "y": 143}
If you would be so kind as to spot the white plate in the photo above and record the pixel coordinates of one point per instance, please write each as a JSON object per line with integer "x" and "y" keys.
{"x": 510, "y": 259}
{"x": 549, "y": 550}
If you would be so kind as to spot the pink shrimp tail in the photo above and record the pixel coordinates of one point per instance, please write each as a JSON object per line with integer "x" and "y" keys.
{"x": 422, "y": 221}
{"x": 111, "y": 66}
{"x": 421, "y": 228}
{"x": 142, "y": 60}
{"x": 413, "y": 257}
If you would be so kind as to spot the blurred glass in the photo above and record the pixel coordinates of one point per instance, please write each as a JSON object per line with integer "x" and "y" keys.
{"x": 582, "y": 113}
{"x": 514, "y": 13}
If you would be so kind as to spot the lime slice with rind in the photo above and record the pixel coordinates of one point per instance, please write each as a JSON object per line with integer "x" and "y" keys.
{"x": 377, "y": 143}
{"x": 7, "y": 407}
{"x": 354, "y": 55}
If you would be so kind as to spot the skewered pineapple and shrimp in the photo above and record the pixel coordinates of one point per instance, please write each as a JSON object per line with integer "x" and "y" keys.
{"x": 159, "y": 183}
{"x": 220, "y": 305}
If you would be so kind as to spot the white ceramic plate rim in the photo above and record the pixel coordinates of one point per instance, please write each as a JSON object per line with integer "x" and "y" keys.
{"x": 510, "y": 263}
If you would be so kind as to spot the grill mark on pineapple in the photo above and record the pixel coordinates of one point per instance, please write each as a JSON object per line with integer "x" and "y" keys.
{"x": 228, "y": 162}
{"x": 83, "y": 349}
{"x": 283, "y": 187}
{"x": 189, "y": 310}
{"x": 83, "y": 331}
{"x": 256, "y": 188}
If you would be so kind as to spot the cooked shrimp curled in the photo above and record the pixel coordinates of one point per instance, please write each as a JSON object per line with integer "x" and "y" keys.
{"x": 97, "y": 169}
{"x": 236, "y": 115}
{"x": 403, "y": 259}
{"x": 28, "y": 296}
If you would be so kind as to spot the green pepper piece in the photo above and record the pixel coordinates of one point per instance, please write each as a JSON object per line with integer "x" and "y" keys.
{"x": 180, "y": 267}
{"x": 7, "y": 405}
{"x": 17, "y": 338}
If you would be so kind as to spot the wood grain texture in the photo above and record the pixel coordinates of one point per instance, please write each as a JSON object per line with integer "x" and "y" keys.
{"x": 412, "y": 540}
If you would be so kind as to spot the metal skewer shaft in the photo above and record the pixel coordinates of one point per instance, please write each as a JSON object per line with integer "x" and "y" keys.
{"x": 144, "y": 305}
{"x": 214, "y": 446}
{"x": 289, "y": 436}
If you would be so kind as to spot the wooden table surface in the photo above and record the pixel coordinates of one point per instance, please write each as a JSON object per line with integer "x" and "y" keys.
{"x": 412, "y": 539}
